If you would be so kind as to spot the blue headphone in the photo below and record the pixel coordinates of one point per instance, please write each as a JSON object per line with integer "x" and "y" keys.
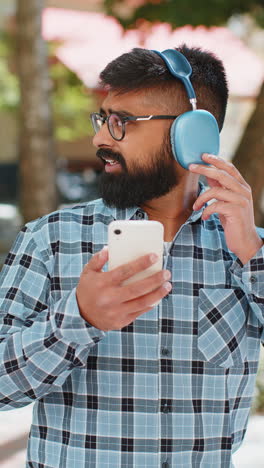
{"x": 195, "y": 132}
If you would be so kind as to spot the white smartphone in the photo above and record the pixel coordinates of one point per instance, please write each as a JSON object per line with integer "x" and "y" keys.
{"x": 129, "y": 240}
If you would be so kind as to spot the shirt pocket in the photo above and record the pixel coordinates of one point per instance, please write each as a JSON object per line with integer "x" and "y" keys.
{"x": 222, "y": 326}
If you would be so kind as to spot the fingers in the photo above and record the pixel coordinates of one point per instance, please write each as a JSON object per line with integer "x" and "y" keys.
{"x": 127, "y": 312}
{"x": 139, "y": 306}
{"x": 227, "y": 185}
{"x": 118, "y": 275}
{"x": 222, "y": 194}
{"x": 117, "y": 305}
{"x": 224, "y": 172}
{"x": 97, "y": 261}
{"x": 220, "y": 207}
{"x": 227, "y": 166}
{"x": 120, "y": 294}
{"x": 143, "y": 288}
{"x": 140, "y": 288}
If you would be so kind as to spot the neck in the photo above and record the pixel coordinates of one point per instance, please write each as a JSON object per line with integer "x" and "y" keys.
{"x": 173, "y": 209}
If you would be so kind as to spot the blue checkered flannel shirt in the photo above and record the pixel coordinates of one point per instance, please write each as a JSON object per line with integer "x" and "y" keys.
{"x": 173, "y": 389}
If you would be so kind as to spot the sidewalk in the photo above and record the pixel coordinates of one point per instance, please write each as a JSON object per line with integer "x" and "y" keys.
{"x": 14, "y": 427}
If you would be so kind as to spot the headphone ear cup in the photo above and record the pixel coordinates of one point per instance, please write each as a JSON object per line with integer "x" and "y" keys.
{"x": 192, "y": 134}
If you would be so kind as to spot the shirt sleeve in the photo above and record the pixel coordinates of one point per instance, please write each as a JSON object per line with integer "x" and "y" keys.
{"x": 250, "y": 277}
{"x": 40, "y": 341}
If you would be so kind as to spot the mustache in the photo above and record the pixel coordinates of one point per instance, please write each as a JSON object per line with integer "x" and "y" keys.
{"x": 108, "y": 154}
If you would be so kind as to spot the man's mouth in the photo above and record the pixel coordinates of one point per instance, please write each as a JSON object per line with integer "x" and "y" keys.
{"x": 112, "y": 162}
{"x": 111, "y": 165}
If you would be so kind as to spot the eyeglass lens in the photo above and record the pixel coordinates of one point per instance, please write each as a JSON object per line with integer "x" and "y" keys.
{"x": 97, "y": 122}
{"x": 115, "y": 126}
{"x": 114, "y": 123}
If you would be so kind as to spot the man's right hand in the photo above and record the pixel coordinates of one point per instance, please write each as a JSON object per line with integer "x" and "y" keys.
{"x": 105, "y": 303}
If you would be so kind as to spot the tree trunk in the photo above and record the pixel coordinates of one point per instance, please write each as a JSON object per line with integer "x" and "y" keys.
{"x": 37, "y": 159}
{"x": 249, "y": 157}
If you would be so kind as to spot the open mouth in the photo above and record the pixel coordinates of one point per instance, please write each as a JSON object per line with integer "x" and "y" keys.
{"x": 112, "y": 162}
{"x": 111, "y": 165}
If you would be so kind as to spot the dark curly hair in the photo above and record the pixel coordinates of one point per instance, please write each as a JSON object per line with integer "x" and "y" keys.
{"x": 143, "y": 69}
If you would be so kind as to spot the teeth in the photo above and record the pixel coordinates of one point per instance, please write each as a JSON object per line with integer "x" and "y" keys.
{"x": 110, "y": 161}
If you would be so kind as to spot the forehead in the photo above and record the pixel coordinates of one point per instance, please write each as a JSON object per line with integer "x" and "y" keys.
{"x": 136, "y": 103}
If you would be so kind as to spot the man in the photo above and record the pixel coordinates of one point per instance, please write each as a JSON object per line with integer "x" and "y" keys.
{"x": 117, "y": 382}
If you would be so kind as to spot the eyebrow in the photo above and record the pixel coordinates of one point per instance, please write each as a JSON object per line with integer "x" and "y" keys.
{"x": 119, "y": 112}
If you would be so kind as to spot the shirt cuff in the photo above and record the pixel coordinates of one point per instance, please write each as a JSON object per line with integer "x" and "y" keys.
{"x": 72, "y": 327}
{"x": 251, "y": 275}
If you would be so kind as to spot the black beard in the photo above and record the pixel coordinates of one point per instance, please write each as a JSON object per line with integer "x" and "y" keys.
{"x": 140, "y": 184}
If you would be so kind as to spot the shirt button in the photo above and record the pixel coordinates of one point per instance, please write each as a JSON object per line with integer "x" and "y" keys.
{"x": 166, "y": 409}
{"x": 165, "y": 352}
{"x": 140, "y": 215}
{"x": 253, "y": 279}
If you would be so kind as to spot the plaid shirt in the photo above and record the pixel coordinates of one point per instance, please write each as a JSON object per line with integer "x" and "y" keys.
{"x": 173, "y": 389}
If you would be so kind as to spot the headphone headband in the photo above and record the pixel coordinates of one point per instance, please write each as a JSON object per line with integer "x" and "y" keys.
{"x": 179, "y": 67}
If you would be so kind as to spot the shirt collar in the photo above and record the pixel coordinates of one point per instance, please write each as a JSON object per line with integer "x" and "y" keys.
{"x": 127, "y": 213}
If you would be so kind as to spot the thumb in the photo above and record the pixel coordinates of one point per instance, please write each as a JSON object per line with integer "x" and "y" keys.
{"x": 97, "y": 261}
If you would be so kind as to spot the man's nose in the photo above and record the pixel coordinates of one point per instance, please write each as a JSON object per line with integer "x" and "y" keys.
{"x": 103, "y": 137}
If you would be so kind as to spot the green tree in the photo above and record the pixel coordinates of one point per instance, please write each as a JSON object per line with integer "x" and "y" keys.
{"x": 72, "y": 103}
{"x": 178, "y": 12}
{"x": 9, "y": 86}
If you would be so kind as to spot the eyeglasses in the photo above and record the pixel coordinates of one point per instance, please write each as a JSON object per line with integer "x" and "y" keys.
{"x": 116, "y": 123}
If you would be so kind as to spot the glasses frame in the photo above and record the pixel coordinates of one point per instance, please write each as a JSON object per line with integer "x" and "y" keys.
{"x": 124, "y": 119}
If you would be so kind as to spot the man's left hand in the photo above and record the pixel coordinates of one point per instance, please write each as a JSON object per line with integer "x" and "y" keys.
{"x": 233, "y": 203}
